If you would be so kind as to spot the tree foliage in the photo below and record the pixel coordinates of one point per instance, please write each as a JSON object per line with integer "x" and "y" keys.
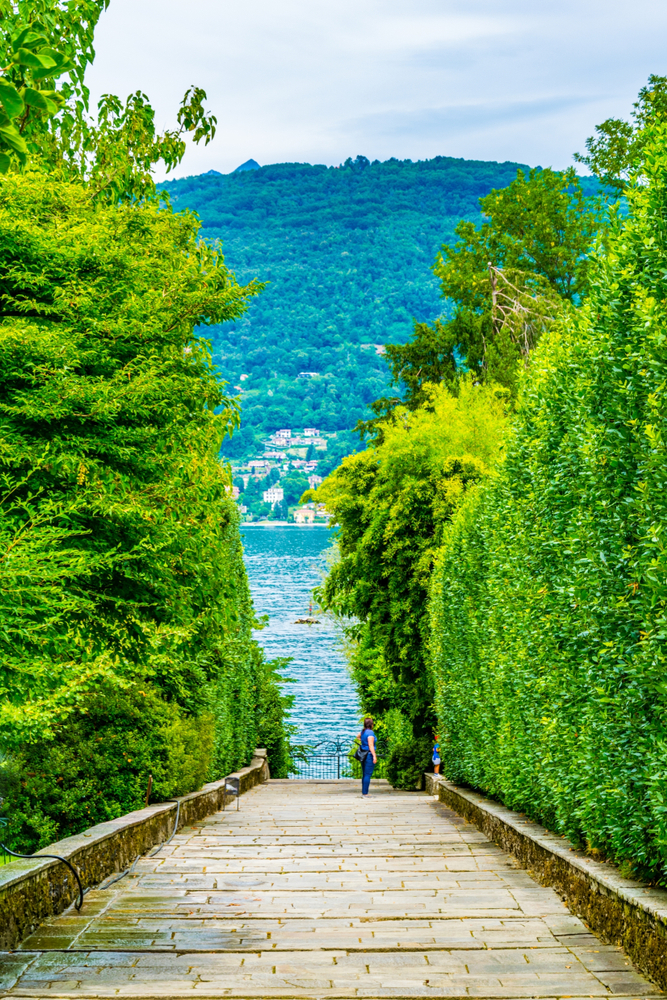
{"x": 391, "y": 504}
{"x": 346, "y": 252}
{"x": 122, "y": 589}
{"x": 46, "y": 47}
{"x": 549, "y": 602}
{"x": 506, "y": 281}
{"x": 618, "y": 145}
{"x": 39, "y": 43}
{"x": 126, "y": 620}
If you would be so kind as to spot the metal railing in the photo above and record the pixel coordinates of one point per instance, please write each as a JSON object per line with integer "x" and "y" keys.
{"x": 331, "y": 759}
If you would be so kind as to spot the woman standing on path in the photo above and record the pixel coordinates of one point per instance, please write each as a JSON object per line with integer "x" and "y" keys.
{"x": 367, "y": 737}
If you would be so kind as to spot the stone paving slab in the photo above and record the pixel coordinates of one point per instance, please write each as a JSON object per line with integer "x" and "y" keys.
{"x": 310, "y": 892}
{"x": 390, "y": 935}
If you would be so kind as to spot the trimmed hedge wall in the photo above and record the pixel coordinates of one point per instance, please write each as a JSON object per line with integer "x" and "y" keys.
{"x": 548, "y": 602}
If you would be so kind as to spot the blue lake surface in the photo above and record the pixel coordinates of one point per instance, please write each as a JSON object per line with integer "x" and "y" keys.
{"x": 284, "y": 564}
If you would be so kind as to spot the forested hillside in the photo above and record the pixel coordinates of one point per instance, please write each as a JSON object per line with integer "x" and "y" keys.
{"x": 347, "y": 252}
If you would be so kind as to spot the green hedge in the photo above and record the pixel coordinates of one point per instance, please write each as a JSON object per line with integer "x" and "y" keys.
{"x": 125, "y": 614}
{"x": 407, "y": 763}
{"x": 549, "y": 598}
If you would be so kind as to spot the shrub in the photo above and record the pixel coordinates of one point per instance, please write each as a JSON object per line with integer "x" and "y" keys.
{"x": 96, "y": 767}
{"x": 407, "y": 762}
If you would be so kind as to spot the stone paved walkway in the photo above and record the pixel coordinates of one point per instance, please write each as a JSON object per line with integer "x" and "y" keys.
{"x": 310, "y": 892}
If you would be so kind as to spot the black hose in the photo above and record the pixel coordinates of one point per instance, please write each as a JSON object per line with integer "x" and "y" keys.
{"x": 173, "y": 832}
{"x": 75, "y": 873}
{"x": 128, "y": 871}
{"x": 57, "y": 857}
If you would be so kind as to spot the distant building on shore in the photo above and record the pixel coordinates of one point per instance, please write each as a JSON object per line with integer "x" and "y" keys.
{"x": 311, "y": 432}
{"x": 274, "y": 494}
{"x": 311, "y": 513}
{"x": 304, "y": 515}
{"x": 314, "y": 481}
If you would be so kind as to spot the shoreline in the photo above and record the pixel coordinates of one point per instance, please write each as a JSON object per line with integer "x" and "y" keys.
{"x": 280, "y": 524}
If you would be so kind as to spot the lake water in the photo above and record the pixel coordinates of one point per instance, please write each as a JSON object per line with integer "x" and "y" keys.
{"x": 284, "y": 564}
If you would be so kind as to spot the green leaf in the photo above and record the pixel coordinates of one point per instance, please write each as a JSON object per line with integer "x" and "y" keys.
{"x": 5, "y": 162}
{"x": 60, "y": 65}
{"x": 10, "y": 136}
{"x": 10, "y": 99}
{"x": 60, "y": 60}
{"x": 26, "y": 37}
{"x": 38, "y": 99}
{"x": 35, "y": 60}
{"x": 54, "y": 96}
{"x": 34, "y": 42}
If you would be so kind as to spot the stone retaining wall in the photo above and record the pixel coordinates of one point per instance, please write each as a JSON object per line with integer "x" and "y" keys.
{"x": 33, "y": 889}
{"x": 621, "y": 911}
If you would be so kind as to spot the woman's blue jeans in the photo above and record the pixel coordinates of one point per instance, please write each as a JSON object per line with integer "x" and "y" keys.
{"x": 366, "y": 772}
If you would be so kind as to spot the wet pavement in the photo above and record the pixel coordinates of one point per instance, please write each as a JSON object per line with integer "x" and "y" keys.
{"x": 309, "y": 891}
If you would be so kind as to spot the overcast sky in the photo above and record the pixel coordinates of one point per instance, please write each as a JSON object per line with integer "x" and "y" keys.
{"x": 301, "y": 80}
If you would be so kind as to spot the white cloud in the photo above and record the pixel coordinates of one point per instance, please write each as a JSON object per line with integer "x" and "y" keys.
{"x": 297, "y": 80}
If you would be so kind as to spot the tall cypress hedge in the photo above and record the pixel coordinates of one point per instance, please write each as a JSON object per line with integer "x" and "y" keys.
{"x": 549, "y": 598}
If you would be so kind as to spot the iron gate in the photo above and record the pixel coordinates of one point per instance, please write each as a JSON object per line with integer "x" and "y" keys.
{"x": 331, "y": 759}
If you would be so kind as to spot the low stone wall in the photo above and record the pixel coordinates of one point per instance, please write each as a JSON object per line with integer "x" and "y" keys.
{"x": 621, "y": 911}
{"x": 32, "y": 890}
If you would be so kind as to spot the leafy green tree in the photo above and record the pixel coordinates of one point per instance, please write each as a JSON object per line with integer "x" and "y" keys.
{"x": 541, "y": 224}
{"x": 259, "y": 508}
{"x": 243, "y": 442}
{"x": 293, "y": 484}
{"x": 618, "y": 145}
{"x": 391, "y": 503}
{"x": 39, "y": 42}
{"x": 41, "y": 115}
{"x": 125, "y": 614}
{"x": 506, "y": 280}
{"x": 124, "y": 604}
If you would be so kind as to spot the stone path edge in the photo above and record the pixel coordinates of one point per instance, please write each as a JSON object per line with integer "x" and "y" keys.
{"x": 321, "y": 993}
{"x": 35, "y": 889}
{"x": 620, "y": 910}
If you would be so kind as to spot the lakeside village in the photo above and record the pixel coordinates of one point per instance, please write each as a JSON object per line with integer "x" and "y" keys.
{"x": 269, "y": 487}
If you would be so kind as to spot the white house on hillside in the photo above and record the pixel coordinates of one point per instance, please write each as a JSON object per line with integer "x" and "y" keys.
{"x": 274, "y": 494}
